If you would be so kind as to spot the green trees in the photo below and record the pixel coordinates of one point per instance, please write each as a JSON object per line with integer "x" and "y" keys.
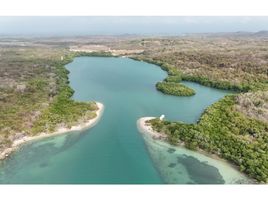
{"x": 40, "y": 100}
{"x": 173, "y": 78}
{"x": 171, "y": 85}
{"x": 217, "y": 84}
{"x": 63, "y": 110}
{"x": 173, "y": 88}
{"x": 96, "y": 54}
{"x": 223, "y": 131}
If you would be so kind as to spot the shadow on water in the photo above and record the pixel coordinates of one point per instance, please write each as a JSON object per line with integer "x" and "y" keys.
{"x": 178, "y": 165}
{"x": 40, "y": 152}
{"x": 204, "y": 173}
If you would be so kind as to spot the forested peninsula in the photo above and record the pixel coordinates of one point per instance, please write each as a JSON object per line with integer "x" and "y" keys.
{"x": 36, "y": 96}
{"x": 236, "y": 127}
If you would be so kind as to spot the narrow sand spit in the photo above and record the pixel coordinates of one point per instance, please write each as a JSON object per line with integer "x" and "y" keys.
{"x": 145, "y": 128}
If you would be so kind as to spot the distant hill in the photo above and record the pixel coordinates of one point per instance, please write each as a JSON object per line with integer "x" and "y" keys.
{"x": 261, "y": 34}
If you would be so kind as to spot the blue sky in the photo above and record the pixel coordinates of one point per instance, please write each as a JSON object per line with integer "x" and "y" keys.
{"x": 54, "y": 26}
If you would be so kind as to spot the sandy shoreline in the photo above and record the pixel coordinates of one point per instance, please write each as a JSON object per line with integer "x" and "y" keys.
{"x": 145, "y": 128}
{"x": 90, "y": 123}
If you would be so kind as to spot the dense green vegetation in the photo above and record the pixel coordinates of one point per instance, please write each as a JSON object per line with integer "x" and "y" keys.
{"x": 217, "y": 84}
{"x": 223, "y": 129}
{"x": 171, "y": 85}
{"x": 96, "y": 54}
{"x": 173, "y": 78}
{"x": 176, "y": 75}
{"x": 176, "y": 89}
{"x": 227, "y": 133}
{"x": 63, "y": 110}
{"x": 226, "y": 85}
{"x": 35, "y": 95}
{"x": 238, "y": 63}
{"x": 235, "y": 128}
{"x": 19, "y": 108}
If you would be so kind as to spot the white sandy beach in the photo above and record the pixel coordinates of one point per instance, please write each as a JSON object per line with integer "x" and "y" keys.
{"x": 90, "y": 123}
{"x": 147, "y": 129}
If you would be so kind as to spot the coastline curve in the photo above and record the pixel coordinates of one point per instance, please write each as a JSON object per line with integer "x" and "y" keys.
{"x": 62, "y": 130}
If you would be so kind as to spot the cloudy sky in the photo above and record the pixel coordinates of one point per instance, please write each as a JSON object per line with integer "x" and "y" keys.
{"x": 50, "y": 26}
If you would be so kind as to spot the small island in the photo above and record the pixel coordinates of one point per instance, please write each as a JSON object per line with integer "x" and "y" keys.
{"x": 175, "y": 89}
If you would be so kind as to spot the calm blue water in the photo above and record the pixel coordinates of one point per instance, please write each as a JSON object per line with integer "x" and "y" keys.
{"x": 114, "y": 151}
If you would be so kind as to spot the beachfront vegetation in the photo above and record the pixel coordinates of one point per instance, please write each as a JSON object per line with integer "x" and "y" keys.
{"x": 224, "y": 131}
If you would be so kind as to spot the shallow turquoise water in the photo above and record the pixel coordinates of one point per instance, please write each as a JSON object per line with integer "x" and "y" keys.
{"x": 114, "y": 151}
